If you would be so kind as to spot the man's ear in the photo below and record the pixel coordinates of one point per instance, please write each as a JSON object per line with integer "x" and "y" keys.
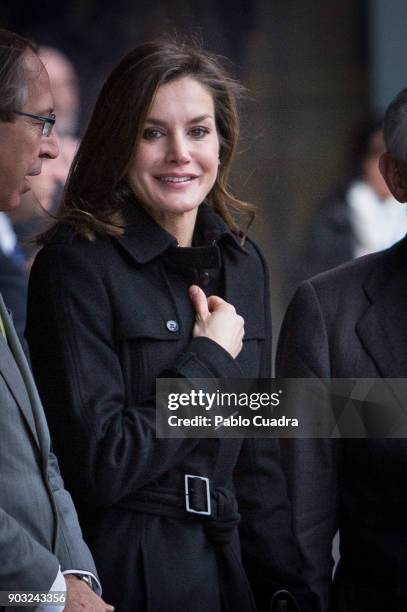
{"x": 395, "y": 175}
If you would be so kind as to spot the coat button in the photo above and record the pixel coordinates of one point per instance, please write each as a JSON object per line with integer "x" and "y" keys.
{"x": 204, "y": 278}
{"x": 172, "y": 326}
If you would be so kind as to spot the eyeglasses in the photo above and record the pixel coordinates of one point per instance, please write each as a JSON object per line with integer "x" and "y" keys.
{"x": 48, "y": 121}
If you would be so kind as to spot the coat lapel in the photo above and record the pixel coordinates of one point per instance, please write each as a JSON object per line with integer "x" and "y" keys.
{"x": 383, "y": 332}
{"x": 382, "y": 329}
{"x": 16, "y": 372}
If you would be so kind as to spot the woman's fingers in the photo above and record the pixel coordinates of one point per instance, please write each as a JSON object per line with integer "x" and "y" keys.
{"x": 199, "y": 301}
{"x": 215, "y": 302}
{"x": 217, "y": 320}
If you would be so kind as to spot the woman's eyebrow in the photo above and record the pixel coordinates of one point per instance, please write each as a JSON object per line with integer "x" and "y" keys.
{"x": 155, "y": 121}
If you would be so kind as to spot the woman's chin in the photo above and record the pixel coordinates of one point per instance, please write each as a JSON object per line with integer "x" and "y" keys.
{"x": 174, "y": 208}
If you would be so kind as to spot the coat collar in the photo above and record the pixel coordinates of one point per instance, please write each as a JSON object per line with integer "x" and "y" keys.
{"x": 145, "y": 240}
{"x": 383, "y": 328}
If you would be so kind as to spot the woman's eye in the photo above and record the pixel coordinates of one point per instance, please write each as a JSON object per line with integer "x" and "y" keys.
{"x": 199, "y": 132}
{"x": 152, "y": 134}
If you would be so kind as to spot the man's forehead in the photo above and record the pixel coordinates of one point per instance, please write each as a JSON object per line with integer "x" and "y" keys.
{"x": 33, "y": 66}
{"x": 39, "y": 97}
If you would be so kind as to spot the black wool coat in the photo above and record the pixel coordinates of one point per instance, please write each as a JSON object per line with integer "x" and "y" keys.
{"x": 105, "y": 318}
{"x": 351, "y": 322}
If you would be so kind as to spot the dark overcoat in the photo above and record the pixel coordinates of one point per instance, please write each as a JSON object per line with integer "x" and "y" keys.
{"x": 351, "y": 323}
{"x": 105, "y": 318}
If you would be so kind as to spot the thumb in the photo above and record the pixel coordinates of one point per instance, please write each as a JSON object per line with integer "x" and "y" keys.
{"x": 199, "y": 301}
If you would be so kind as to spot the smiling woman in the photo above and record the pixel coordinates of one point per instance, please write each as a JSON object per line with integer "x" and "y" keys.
{"x": 98, "y": 191}
{"x": 146, "y": 275}
{"x": 175, "y": 164}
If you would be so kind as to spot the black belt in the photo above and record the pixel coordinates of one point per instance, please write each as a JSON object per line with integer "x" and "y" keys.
{"x": 216, "y": 507}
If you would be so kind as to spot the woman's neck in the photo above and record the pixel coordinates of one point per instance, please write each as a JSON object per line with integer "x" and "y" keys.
{"x": 180, "y": 225}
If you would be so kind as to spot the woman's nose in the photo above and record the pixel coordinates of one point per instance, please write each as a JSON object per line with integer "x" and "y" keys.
{"x": 178, "y": 150}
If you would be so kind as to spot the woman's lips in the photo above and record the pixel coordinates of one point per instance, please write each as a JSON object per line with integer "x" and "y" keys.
{"x": 174, "y": 180}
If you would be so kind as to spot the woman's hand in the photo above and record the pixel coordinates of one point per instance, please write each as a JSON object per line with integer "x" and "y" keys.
{"x": 217, "y": 320}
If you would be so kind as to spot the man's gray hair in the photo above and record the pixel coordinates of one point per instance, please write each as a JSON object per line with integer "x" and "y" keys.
{"x": 12, "y": 72}
{"x": 395, "y": 126}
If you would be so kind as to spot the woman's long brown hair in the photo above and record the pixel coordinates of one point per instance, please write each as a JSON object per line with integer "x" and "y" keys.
{"x": 96, "y": 195}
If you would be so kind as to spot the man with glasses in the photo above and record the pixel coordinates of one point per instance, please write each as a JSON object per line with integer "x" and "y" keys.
{"x": 41, "y": 547}
{"x": 47, "y": 122}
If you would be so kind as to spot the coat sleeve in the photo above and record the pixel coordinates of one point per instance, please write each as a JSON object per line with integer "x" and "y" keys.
{"x": 311, "y": 465}
{"x": 270, "y": 553}
{"x": 24, "y": 563}
{"x": 107, "y": 448}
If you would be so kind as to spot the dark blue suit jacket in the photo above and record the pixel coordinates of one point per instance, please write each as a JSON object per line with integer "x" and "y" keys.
{"x": 351, "y": 322}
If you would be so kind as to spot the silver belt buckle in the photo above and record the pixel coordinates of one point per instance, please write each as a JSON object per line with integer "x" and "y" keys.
{"x": 208, "y": 495}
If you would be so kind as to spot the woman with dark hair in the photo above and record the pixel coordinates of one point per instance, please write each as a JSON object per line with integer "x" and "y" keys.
{"x": 144, "y": 274}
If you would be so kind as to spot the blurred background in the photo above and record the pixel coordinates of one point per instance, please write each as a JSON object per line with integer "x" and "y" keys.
{"x": 315, "y": 72}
